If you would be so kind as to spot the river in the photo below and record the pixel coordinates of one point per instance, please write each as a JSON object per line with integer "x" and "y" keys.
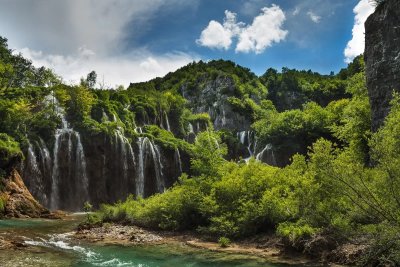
{"x": 51, "y": 243}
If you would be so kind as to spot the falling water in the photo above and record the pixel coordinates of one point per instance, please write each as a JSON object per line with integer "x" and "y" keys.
{"x": 146, "y": 147}
{"x": 167, "y": 121}
{"x": 76, "y": 171}
{"x": 45, "y": 156}
{"x": 178, "y": 160}
{"x": 81, "y": 167}
{"x": 270, "y": 155}
{"x": 140, "y": 175}
{"x": 124, "y": 149}
{"x": 191, "y": 128}
{"x": 246, "y": 138}
{"x": 46, "y": 169}
{"x": 33, "y": 160}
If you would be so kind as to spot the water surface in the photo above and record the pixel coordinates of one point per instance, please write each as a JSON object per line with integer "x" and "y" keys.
{"x": 50, "y": 243}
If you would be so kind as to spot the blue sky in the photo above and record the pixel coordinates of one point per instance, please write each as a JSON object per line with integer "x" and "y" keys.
{"x": 135, "y": 40}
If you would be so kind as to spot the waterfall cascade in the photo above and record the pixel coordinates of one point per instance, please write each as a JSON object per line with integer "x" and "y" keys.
{"x": 67, "y": 149}
{"x": 149, "y": 156}
{"x": 68, "y": 170}
{"x": 248, "y": 139}
{"x": 178, "y": 160}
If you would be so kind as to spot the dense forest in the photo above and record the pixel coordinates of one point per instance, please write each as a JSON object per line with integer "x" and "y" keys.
{"x": 290, "y": 152}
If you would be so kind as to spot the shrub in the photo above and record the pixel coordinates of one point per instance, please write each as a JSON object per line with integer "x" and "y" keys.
{"x": 224, "y": 242}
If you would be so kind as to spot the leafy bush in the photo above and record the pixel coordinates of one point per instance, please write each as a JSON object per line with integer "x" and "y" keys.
{"x": 224, "y": 242}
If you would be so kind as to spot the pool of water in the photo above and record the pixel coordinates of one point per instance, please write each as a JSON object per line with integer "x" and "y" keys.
{"x": 50, "y": 243}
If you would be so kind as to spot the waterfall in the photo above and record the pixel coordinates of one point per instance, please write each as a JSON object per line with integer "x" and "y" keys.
{"x": 124, "y": 149}
{"x": 54, "y": 197}
{"x": 46, "y": 169}
{"x": 138, "y": 130}
{"x": 67, "y": 147}
{"x": 120, "y": 149}
{"x": 45, "y": 156}
{"x": 33, "y": 160}
{"x": 35, "y": 182}
{"x": 270, "y": 157}
{"x": 191, "y": 128}
{"x": 148, "y": 148}
{"x": 155, "y": 151}
{"x": 178, "y": 160}
{"x": 246, "y": 139}
{"x": 167, "y": 121}
{"x": 81, "y": 168}
{"x": 105, "y": 117}
{"x": 140, "y": 175}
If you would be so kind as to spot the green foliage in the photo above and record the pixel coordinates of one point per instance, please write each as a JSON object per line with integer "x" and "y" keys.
{"x": 9, "y": 150}
{"x": 208, "y": 153}
{"x": 2, "y": 203}
{"x": 224, "y": 242}
{"x": 295, "y": 231}
{"x": 17, "y": 71}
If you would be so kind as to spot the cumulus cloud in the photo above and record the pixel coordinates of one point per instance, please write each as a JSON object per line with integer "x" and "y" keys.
{"x": 265, "y": 30}
{"x": 356, "y": 45}
{"x": 217, "y": 35}
{"x": 138, "y": 67}
{"x": 314, "y": 17}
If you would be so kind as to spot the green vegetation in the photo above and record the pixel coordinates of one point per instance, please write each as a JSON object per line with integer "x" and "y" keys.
{"x": 340, "y": 179}
{"x": 224, "y": 242}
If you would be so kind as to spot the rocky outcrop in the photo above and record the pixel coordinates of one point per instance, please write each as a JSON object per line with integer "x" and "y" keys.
{"x": 211, "y": 96}
{"x": 382, "y": 58}
{"x": 19, "y": 203}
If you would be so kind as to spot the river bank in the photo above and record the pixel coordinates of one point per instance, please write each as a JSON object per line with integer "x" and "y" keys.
{"x": 114, "y": 234}
{"x": 43, "y": 242}
{"x": 268, "y": 246}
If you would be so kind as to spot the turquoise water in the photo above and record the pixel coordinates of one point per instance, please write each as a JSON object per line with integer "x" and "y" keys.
{"x": 50, "y": 243}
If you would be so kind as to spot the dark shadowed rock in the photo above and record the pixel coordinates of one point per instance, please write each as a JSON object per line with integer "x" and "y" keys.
{"x": 382, "y": 58}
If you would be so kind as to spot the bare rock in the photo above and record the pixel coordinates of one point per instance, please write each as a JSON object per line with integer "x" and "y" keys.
{"x": 19, "y": 203}
{"x": 382, "y": 58}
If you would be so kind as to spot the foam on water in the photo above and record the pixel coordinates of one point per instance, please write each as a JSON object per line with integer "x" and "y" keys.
{"x": 63, "y": 242}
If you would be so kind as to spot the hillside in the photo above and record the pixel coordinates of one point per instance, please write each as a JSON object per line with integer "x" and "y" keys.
{"x": 210, "y": 148}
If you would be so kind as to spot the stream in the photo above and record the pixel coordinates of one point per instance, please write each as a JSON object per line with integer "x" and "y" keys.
{"x": 51, "y": 243}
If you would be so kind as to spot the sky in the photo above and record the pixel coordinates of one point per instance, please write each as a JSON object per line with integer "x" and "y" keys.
{"x": 136, "y": 40}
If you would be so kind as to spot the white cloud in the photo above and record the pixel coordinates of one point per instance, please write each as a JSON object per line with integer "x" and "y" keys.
{"x": 117, "y": 70}
{"x": 296, "y": 11}
{"x": 356, "y": 45}
{"x": 314, "y": 17}
{"x": 265, "y": 30}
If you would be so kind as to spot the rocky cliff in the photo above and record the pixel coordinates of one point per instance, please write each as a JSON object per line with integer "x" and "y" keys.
{"x": 382, "y": 58}
{"x": 18, "y": 201}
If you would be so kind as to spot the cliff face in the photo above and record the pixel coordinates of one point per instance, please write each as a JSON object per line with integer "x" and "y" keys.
{"x": 19, "y": 203}
{"x": 382, "y": 58}
{"x": 99, "y": 169}
{"x": 211, "y": 96}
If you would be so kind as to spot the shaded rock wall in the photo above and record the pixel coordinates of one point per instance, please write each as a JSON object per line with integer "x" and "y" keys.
{"x": 382, "y": 58}
{"x": 114, "y": 166}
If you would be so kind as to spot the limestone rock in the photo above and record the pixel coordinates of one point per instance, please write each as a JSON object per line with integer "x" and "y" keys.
{"x": 211, "y": 96}
{"x": 19, "y": 201}
{"x": 382, "y": 58}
